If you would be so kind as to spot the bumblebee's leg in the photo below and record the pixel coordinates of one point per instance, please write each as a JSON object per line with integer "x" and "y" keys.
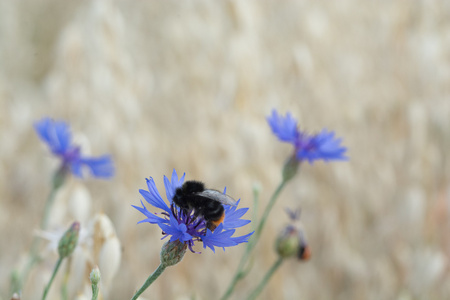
{"x": 197, "y": 212}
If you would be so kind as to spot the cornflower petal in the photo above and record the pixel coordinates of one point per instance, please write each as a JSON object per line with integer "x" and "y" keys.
{"x": 55, "y": 133}
{"x": 171, "y": 186}
{"x": 100, "y": 166}
{"x": 61, "y": 136}
{"x": 233, "y": 216}
{"x": 218, "y": 238}
{"x": 152, "y": 196}
{"x": 175, "y": 182}
{"x": 242, "y": 238}
{"x": 285, "y": 128}
{"x": 151, "y": 217}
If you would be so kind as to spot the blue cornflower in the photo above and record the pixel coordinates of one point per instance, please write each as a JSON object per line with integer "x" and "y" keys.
{"x": 323, "y": 145}
{"x": 56, "y": 134}
{"x": 187, "y": 227}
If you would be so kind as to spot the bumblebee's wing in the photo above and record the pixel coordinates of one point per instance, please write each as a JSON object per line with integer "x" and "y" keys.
{"x": 218, "y": 196}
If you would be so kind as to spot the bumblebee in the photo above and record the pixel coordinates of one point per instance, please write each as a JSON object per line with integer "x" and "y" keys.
{"x": 207, "y": 203}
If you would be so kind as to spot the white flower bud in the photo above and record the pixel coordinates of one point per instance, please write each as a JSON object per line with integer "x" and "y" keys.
{"x": 109, "y": 259}
{"x": 102, "y": 229}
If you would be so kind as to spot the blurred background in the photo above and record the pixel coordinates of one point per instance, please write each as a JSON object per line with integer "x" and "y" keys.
{"x": 187, "y": 85}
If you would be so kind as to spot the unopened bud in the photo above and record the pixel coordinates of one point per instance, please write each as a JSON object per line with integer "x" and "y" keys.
{"x": 69, "y": 240}
{"x": 292, "y": 241}
{"x": 287, "y": 242}
{"x": 95, "y": 276}
{"x": 95, "y": 279}
{"x": 172, "y": 253}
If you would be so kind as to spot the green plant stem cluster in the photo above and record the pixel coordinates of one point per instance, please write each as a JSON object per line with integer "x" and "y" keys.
{"x": 242, "y": 271}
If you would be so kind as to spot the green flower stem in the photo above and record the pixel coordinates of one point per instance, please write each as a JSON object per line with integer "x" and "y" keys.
{"x": 48, "y": 206}
{"x": 150, "y": 280}
{"x": 240, "y": 273}
{"x": 266, "y": 213}
{"x": 256, "y": 192}
{"x": 58, "y": 264}
{"x": 266, "y": 279}
{"x": 64, "y": 289}
{"x": 95, "y": 290}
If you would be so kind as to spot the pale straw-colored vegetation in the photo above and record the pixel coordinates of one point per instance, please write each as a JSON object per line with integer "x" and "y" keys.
{"x": 187, "y": 85}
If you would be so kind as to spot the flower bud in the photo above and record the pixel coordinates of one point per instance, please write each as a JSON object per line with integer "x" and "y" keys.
{"x": 69, "y": 240}
{"x": 292, "y": 241}
{"x": 287, "y": 242}
{"x": 95, "y": 276}
{"x": 172, "y": 253}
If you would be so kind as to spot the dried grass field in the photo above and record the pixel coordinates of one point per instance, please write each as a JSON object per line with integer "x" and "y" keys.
{"x": 187, "y": 85}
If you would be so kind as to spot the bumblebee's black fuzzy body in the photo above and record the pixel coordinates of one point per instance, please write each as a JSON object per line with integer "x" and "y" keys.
{"x": 187, "y": 198}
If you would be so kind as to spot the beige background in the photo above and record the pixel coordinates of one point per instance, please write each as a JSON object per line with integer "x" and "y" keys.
{"x": 187, "y": 85}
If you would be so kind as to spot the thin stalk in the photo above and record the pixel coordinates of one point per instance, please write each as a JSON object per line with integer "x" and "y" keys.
{"x": 267, "y": 211}
{"x": 48, "y": 206}
{"x": 95, "y": 290}
{"x": 47, "y": 288}
{"x": 266, "y": 279}
{"x": 149, "y": 281}
{"x": 64, "y": 289}
{"x": 256, "y": 191}
{"x": 253, "y": 241}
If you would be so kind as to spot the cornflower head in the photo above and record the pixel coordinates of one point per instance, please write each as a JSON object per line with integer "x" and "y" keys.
{"x": 310, "y": 147}
{"x": 187, "y": 226}
{"x": 57, "y": 135}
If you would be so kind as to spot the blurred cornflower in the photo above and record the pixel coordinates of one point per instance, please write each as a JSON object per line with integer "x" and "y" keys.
{"x": 56, "y": 134}
{"x": 322, "y": 145}
{"x": 291, "y": 240}
{"x": 187, "y": 227}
